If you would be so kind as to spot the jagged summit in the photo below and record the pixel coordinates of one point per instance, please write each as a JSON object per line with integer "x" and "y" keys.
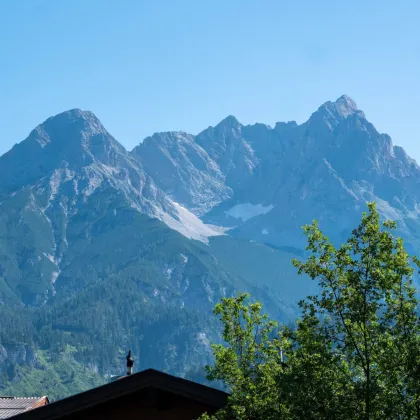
{"x": 71, "y": 116}
{"x": 343, "y": 107}
{"x": 74, "y": 139}
{"x": 73, "y": 113}
{"x": 63, "y": 130}
{"x": 332, "y": 113}
{"x": 75, "y": 118}
{"x": 230, "y": 121}
{"x": 345, "y": 102}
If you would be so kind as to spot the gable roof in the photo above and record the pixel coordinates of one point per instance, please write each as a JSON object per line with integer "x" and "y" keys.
{"x": 11, "y": 406}
{"x": 126, "y": 385}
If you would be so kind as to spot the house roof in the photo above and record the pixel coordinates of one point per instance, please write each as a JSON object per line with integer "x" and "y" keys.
{"x": 126, "y": 385}
{"x": 11, "y": 406}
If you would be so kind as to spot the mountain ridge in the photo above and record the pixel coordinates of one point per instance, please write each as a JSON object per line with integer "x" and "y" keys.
{"x": 101, "y": 247}
{"x": 263, "y": 165}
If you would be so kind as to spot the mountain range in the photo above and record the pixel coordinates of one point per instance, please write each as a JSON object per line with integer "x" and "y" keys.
{"x": 102, "y": 249}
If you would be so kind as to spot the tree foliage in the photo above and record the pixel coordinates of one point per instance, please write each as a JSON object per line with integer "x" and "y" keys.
{"x": 250, "y": 363}
{"x": 354, "y": 352}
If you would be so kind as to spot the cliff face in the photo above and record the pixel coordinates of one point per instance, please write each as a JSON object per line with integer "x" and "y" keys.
{"x": 274, "y": 180}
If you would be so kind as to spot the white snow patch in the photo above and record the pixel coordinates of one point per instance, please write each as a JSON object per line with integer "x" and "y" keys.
{"x": 247, "y": 211}
{"x": 264, "y": 231}
{"x": 190, "y": 225}
{"x": 184, "y": 258}
{"x": 169, "y": 272}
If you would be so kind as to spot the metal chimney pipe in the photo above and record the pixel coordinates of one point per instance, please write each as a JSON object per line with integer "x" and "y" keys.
{"x": 130, "y": 363}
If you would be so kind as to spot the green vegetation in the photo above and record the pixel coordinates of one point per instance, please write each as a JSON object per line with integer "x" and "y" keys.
{"x": 133, "y": 284}
{"x": 353, "y": 354}
{"x": 53, "y": 376}
{"x": 74, "y": 345}
{"x": 97, "y": 275}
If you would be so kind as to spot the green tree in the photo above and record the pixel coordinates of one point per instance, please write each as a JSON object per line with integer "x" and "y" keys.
{"x": 250, "y": 362}
{"x": 366, "y": 315}
{"x": 353, "y": 354}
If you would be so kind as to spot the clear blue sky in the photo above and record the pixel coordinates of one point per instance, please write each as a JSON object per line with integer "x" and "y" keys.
{"x": 157, "y": 65}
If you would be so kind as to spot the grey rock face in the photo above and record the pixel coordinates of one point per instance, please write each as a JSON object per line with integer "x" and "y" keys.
{"x": 68, "y": 183}
{"x": 71, "y": 181}
{"x": 325, "y": 169}
{"x": 184, "y": 170}
{"x": 233, "y": 154}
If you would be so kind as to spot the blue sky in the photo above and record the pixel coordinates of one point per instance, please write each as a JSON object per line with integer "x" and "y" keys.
{"x": 157, "y": 65}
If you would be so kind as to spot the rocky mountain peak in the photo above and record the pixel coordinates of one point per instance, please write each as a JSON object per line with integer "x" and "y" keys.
{"x": 345, "y": 106}
{"x": 334, "y": 112}
{"x": 230, "y": 121}
{"x": 228, "y": 128}
{"x": 68, "y": 126}
{"x": 73, "y": 139}
{"x": 75, "y": 114}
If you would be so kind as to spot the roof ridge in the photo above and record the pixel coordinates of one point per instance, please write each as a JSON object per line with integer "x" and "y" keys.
{"x": 128, "y": 385}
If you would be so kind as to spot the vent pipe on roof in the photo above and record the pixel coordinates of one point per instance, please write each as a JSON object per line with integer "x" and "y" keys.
{"x": 130, "y": 363}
